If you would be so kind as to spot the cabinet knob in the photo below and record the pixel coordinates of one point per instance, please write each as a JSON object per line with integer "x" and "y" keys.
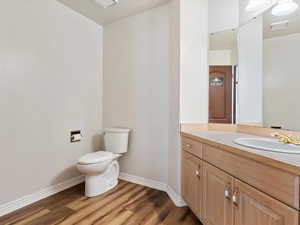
{"x": 188, "y": 146}
{"x": 197, "y": 173}
{"x": 227, "y": 194}
{"x": 235, "y": 198}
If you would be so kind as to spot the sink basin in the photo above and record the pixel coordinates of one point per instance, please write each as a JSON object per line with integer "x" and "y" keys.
{"x": 268, "y": 144}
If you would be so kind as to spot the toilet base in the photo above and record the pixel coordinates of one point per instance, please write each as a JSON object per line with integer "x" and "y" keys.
{"x": 98, "y": 184}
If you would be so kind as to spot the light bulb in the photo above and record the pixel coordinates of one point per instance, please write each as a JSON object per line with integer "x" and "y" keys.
{"x": 285, "y": 8}
{"x": 259, "y": 5}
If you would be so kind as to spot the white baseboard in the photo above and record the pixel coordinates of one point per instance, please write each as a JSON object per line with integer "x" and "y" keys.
{"x": 143, "y": 181}
{"x": 178, "y": 201}
{"x": 29, "y": 199}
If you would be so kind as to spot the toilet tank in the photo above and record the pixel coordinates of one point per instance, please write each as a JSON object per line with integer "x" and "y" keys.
{"x": 116, "y": 140}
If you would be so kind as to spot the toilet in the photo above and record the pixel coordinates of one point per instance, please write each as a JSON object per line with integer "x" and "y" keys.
{"x": 101, "y": 169}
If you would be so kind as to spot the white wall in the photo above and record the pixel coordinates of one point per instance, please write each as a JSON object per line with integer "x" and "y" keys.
{"x": 234, "y": 56}
{"x": 222, "y": 15}
{"x": 250, "y": 74}
{"x": 136, "y": 89}
{"x": 188, "y": 75}
{"x": 194, "y": 61}
{"x": 220, "y": 57}
{"x": 51, "y": 83}
{"x": 144, "y": 57}
{"x": 174, "y": 151}
{"x": 281, "y": 82}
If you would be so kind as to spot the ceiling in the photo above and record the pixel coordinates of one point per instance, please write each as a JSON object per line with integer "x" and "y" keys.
{"x": 106, "y": 16}
{"x": 127, "y": 8}
{"x": 294, "y": 25}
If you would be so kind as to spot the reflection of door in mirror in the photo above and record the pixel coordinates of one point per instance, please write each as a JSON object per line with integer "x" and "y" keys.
{"x": 220, "y": 94}
{"x": 264, "y": 52}
{"x": 223, "y": 59}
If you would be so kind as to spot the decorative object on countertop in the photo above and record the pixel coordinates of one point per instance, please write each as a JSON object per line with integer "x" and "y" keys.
{"x": 287, "y": 139}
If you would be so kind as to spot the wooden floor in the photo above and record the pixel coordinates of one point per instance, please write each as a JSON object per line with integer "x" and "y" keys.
{"x": 127, "y": 204}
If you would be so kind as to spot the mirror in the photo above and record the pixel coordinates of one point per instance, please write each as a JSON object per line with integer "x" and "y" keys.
{"x": 254, "y": 73}
{"x": 281, "y": 70}
{"x": 223, "y": 62}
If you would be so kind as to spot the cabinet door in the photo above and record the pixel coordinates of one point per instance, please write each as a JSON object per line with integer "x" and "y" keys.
{"x": 252, "y": 207}
{"x": 218, "y": 209}
{"x": 192, "y": 182}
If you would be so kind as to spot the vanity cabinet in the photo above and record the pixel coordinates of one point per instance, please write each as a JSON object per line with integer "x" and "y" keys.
{"x": 192, "y": 182}
{"x": 253, "y": 207}
{"x": 220, "y": 191}
{"x": 217, "y": 205}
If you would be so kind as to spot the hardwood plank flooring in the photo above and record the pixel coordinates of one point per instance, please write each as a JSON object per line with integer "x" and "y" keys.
{"x": 126, "y": 204}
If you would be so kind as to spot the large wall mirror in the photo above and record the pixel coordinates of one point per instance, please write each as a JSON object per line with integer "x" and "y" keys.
{"x": 254, "y": 75}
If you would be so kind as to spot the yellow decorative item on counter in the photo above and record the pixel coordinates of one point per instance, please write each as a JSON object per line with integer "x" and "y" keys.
{"x": 287, "y": 139}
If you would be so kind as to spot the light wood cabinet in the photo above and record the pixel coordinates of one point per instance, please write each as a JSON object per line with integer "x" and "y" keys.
{"x": 218, "y": 186}
{"x": 252, "y": 207}
{"x": 192, "y": 182}
{"x": 192, "y": 146}
{"x": 277, "y": 183}
{"x": 221, "y": 190}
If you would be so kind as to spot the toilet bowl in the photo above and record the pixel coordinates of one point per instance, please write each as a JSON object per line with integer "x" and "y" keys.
{"x": 101, "y": 169}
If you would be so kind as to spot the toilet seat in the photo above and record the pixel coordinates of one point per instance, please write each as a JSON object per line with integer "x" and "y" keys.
{"x": 95, "y": 157}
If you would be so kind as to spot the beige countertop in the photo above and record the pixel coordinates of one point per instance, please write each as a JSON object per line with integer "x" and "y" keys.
{"x": 224, "y": 140}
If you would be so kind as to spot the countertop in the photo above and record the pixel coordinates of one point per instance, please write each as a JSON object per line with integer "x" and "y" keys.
{"x": 224, "y": 140}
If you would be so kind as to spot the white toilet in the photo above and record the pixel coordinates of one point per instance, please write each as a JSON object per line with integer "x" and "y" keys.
{"x": 101, "y": 169}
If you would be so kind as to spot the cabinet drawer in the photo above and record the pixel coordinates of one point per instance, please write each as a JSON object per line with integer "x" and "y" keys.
{"x": 191, "y": 146}
{"x": 281, "y": 185}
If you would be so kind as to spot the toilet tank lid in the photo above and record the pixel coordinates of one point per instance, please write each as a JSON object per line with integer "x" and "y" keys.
{"x": 117, "y": 130}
